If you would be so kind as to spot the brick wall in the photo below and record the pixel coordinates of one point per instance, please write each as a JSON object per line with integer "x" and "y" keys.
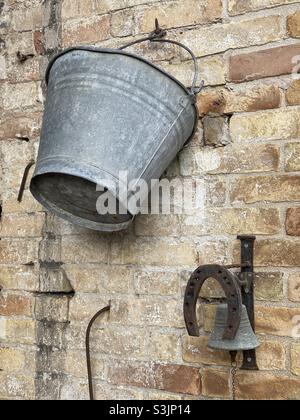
{"x": 246, "y": 154}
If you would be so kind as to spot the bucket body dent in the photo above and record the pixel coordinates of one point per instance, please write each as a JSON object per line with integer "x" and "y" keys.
{"x": 107, "y": 112}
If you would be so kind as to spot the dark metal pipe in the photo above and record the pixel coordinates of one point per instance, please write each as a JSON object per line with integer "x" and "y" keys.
{"x": 88, "y": 351}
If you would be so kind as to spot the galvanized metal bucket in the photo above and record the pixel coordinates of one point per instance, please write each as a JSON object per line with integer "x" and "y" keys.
{"x": 107, "y": 111}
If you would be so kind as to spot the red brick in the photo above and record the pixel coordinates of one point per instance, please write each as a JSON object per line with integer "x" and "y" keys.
{"x": 216, "y": 383}
{"x": 173, "y": 378}
{"x": 222, "y": 101}
{"x": 293, "y": 221}
{"x": 38, "y": 42}
{"x": 21, "y": 125}
{"x": 15, "y": 305}
{"x": 265, "y": 386}
{"x": 271, "y": 62}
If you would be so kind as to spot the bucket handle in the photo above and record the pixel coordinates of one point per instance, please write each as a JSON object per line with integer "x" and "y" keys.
{"x": 157, "y": 36}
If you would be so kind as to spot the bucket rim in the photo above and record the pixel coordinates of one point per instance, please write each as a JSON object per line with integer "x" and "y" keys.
{"x": 66, "y": 215}
{"x": 88, "y": 48}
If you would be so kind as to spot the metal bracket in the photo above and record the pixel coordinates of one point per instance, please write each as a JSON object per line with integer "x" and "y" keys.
{"x": 247, "y": 277}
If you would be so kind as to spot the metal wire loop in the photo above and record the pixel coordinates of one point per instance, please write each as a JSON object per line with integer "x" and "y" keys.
{"x": 157, "y": 36}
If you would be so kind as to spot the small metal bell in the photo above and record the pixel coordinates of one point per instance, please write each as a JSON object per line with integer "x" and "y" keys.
{"x": 245, "y": 338}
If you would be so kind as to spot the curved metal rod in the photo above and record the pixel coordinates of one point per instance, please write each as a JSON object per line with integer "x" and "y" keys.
{"x": 157, "y": 38}
{"x": 24, "y": 180}
{"x": 230, "y": 285}
{"x": 88, "y": 351}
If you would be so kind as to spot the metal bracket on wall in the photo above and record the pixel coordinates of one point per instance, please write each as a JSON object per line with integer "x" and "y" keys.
{"x": 247, "y": 278}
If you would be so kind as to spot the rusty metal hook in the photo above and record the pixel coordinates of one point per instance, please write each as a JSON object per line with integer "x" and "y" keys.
{"x": 24, "y": 180}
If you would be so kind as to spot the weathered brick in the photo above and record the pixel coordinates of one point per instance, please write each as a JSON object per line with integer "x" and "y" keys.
{"x": 223, "y": 101}
{"x": 262, "y": 386}
{"x": 86, "y": 31}
{"x": 295, "y": 353}
{"x": 121, "y": 342}
{"x": 279, "y": 253}
{"x": 84, "y": 306}
{"x": 216, "y": 383}
{"x": 19, "y": 278}
{"x": 20, "y": 126}
{"x": 231, "y": 159}
{"x": 293, "y": 221}
{"x": 292, "y": 157}
{"x": 28, "y": 204}
{"x": 80, "y": 249}
{"x": 74, "y": 390}
{"x": 156, "y": 283}
{"x": 104, "y": 391}
{"x": 293, "y": 25}
{"x": 293, "y": 93}
{"x": 216, "y": 131}
{"x": 266, "y": 63}
{"x": 88, "y": 278}
{"x": 276, "y": 320}
{"x": 12, "y": 304}
{"x": 236, "y": 7}
{"x": 52, "y": 308}
{"x": 222, "y": 37}
{"x": 18, "y": 251}
{"x": 265, "y": 188}
{"x": 18, "y": 386}
{"x": 76, "y": 8}
{"x": 26, "y": 19}
{"x": 269, "y": 286}
{"x": 75, "y": 364}
{"x": 17, "y": 41}
{"x": 154, "y": 252}
{"x": 275, "y": 125}
{"x": 20, "y": 96}
{"x": 210, "y": 252}
{"x": 22, "y": 225}
{"x": 229, "y": 221}
{"x": 173, "y": 378}
{"x": 180, "y": 13}
{"x": 215, "y": 191}
{"x": 147, "y": 311}
{"x": 14, "y": 154}
{"x": 294, "y": 287}
{"x": 271, "y": 355}
{"x": 164, "y": 347}
{"x": 27, "y": 71}
{"x": 153, "y": 225}
{"x": 21, "y": 331}
{"x": 11, "y": 359}
{"x": 122, "y": 23}
{"x": 195, "y": 350}
{"x": 212, "y": 70}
